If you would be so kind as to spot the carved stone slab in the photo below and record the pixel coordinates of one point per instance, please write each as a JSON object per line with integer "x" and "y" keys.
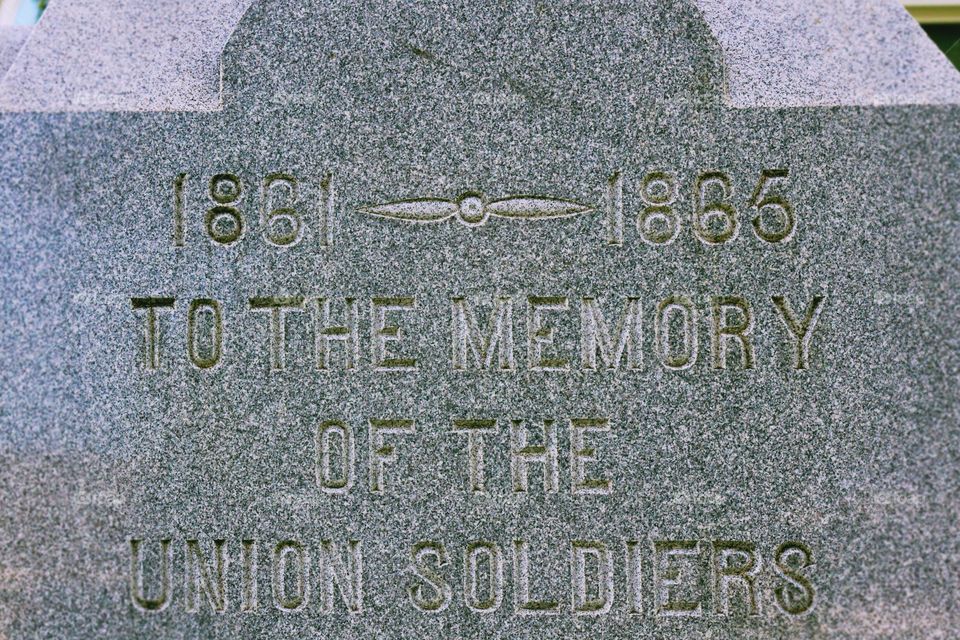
{"x": 480, "y": 320}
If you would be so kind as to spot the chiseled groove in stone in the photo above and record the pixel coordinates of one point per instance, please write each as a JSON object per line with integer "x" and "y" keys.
{"x": 12, "y": 40}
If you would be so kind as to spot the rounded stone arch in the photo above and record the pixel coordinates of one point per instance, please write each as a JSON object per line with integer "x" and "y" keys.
{"x": 586, "y": 54}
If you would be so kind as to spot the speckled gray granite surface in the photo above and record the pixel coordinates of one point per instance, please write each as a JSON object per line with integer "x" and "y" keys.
{"x": 828, "y": 52}
{"x": 164, "y": 55}
{"x": 12, "y": 39}
{"x": 486, "y": 321}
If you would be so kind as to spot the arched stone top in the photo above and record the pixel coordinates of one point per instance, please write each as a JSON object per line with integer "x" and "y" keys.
{"x": 575, "y": 52}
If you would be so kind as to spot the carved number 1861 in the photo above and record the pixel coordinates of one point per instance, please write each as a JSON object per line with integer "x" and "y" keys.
{"x": 283, "y": 217}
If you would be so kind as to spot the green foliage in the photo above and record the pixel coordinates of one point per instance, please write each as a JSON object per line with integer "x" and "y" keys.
{"x": 947, "y": 37}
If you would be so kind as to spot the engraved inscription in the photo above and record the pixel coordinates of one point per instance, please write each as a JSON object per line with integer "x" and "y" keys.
{"x": 643, "y": 578}
{"x": 715, "y": 210}
{"x": 287, "y": 208}
{"x": 506, "y": 462}
{"x": 533, "y": 444}
{"x": 612, "y": 333}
